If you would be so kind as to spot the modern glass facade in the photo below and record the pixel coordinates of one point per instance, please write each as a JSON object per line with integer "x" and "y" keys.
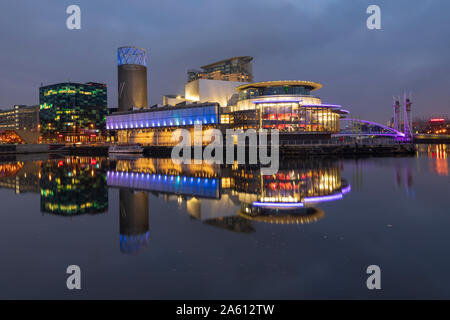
{"x": 73, "y": 112}
{"x": 295, "y": 90}
{"x": 288, "y": 117}
{"x": 285, "y": 105}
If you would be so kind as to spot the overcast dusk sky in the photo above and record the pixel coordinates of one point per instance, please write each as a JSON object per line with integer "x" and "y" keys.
{"x": 319, "y": 40}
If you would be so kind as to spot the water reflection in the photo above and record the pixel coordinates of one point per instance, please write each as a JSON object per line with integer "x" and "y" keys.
{"x": 242, "y": 194}
{"x": 440, "y": 154}
{"x": 290, "y": 195}
{"x": 216, "y": 225}
{"x": 20, "y": 176}
{"x": 73, "y": 186}
{"x": 404, "y": 178}
{"x": 134, "y": 226}
{"x": 231, "y": 198}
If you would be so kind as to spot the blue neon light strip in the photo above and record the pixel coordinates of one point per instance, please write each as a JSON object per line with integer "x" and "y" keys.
{"x": 346, "y": 189}
{"x": 322, "y": 105}
{"x": 324, "y": 198}
{"x": 164, "y": 118}
{"x": 278, "y": 101}
{"x": 278, "y": 204}
{"x": 192, "y": 186}
{"x": 134, "y": 243}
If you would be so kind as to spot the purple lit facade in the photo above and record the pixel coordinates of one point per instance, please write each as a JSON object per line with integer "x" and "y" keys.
{"x": 165, "y": 117}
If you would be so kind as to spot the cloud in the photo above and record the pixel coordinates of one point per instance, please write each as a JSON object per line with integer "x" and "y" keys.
{"x": 320, "y": 40}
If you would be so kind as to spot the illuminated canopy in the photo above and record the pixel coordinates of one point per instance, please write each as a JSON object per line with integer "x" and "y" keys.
{"x": 312, "y": 85}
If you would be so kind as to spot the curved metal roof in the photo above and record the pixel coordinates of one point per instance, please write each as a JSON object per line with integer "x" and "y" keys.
{"x": 313, "y": 85}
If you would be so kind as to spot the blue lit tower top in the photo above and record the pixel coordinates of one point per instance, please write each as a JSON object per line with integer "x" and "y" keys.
{"x": 131, "y": 55}
{"x": 132, "y": 78}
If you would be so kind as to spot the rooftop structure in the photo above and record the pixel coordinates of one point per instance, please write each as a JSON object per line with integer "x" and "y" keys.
{"x": 238, "y": 69}
{"x": 283, "y": 86}
{"x": 172, "y": 99}
{"x": 217, "y": 81}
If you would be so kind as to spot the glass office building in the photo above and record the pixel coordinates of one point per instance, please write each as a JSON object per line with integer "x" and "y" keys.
{"x": 73, "y": 112}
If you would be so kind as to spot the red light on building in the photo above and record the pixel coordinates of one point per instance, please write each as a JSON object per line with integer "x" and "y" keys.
{"x": 437, "y": 120}
{"x": 93, "y": 162}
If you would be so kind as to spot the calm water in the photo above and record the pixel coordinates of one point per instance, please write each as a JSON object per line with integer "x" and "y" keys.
{"x": 145, "y": 228}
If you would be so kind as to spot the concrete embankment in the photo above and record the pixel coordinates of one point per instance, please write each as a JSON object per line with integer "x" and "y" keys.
{"x": 30, "y": 148}
{"x": 431, "y": 139}
{"x": 17, "y": 149}
{"x": 166, "y": 151}
{"x": 88, "y": 150}
{"x": 313, "y": 150}
{"x": 349, "y": 150}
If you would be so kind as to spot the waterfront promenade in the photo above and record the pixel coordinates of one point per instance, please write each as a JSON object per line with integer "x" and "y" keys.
{"x": 305, "y": 148}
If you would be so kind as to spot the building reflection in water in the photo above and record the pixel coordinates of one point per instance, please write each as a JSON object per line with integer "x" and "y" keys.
{"x": 74, "y": 186}
{"x": 231, "y": 198}
{"x": 20, "y": 176}
{"x": 288, "y": 197}
{"x": 439, "y": 153}
{"x": 134, "y": 226}
{"x": 404, "y": 178}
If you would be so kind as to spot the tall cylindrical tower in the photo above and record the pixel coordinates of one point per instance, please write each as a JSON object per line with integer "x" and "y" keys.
{"x": 132, "y": 78}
